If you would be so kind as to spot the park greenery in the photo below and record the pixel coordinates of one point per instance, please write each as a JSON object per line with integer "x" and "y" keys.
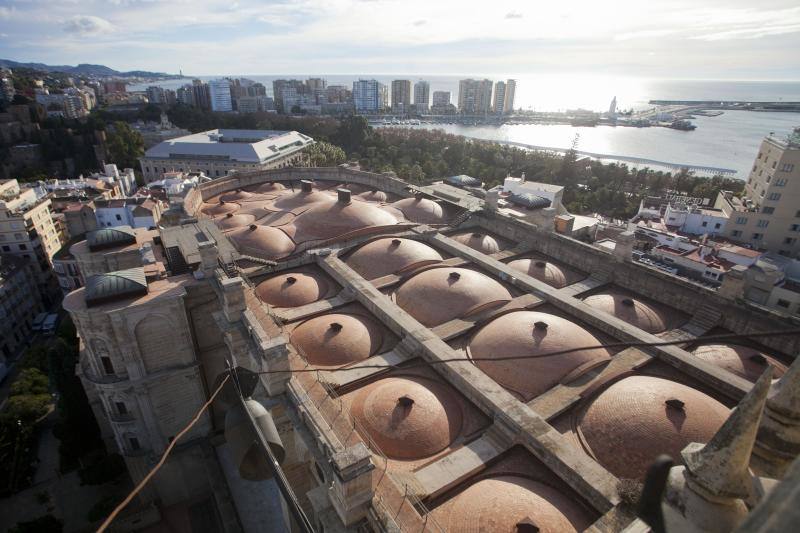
{"x": 47, "y": 372}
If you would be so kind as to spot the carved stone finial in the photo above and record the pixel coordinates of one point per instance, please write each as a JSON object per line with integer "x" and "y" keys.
{"x": 778, "y": 441}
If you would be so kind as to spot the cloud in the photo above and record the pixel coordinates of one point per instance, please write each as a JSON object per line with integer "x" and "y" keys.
{"x": 419, "y": 22}
{"x": 513, "y": 15}
{"x": 88, "y": 25}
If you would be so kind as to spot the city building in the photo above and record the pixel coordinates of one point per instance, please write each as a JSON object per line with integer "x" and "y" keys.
{"x": 441, "y": 98}
{"x": 767, "y": 216}
{"x": 401, "y": 96}
{"x": 20, "y": 302}
{"x": 219, "y": 92}
{"x": 422, "y": 96}
{"x": 66, "y": 269}
{"x": 217, "y": 152}
{"x": 504, "y": 92}
{"x": 289, "y": 93}
{"x": 201, "y": 95}
{"x": 361, "y": 271}
{"x": 159, "y": 95}
{"x": 155, "y": 132}
{"x": 27, "y": 231}
{"x": 369, "y": 96}
{"x": 114, "y": 86}
{"x": 474, "y": 96}
{"x": 137, "y": 212}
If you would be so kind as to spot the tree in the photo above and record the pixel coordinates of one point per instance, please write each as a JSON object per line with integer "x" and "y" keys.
{"x": 124, "y": 145}
{"x": 352, "y": 133}
{"x": 322, "y": 154}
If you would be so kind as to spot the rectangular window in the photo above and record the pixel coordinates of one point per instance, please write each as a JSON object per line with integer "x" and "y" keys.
{"x": 763, "y": 223}
{"x": 780, "y": 182}
{"x": 794, "y": 227}
{"x": 6, "y": 248}
{"x": 717, "y": 225}
{"x": 783, "y": 303}
{"x": 704, "y": 224}
{"x": 741, "y": 220}
{"x": 108, "y": 367}
{"x": 736, "y": 233}
{"x": 789, "y": 240}
{"x": 787, "y": 167}
{"x": 134, "y": 443}
{"x": 757, "y": 236}
{"x": 23, "y": 247}
{"x": 760, "y": 155}
{"x": 774, "y": 197}
{"x": 774, "y": 164}
{"x": 767, "y": 210}
{"x": 121, "y": 408}
{"x": 769, "y": 178}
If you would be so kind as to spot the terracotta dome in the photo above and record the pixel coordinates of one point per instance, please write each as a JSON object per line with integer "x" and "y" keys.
{"x": 542, "y": 270}
{"x": 530, "y": 334}
{"x": 231, "y": 221}
{"x": 337, "y": 339}
{"x": 270, "y": 187}
{"x": 235, "y": 196}
{"x": 373, "y": 196}
{"x": 382, "y": 257}
{"x": 421, "y": 210}
{"x": 330, "y": 219}
{"x": 293, "y": 289}
{"x": 299, "y": 199}
{"x": 633, "y": 311}
{"x": 262, "y": 241}
{"x": 220, "y": 208}
{"x": 507, "y": 504}
{"x": 479, "y": 241}
{"x": 408, "y": 417}
{"x": 640, "y": 417}
{"x": 743, "y": 361}
{"x": 438, "y": 295}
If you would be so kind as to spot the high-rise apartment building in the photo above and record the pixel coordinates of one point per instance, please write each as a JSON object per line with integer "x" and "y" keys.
{"x": 441, "y": 98}
{"x": 504, "y": 97}
{"x": 475, "y": 96}
{"x": 201, "y": 95}
{"x": 19, "y": 304}
{"x": 401, "y": 95}
{"x": 369, "y": 96}
{"x": 27, "y": 231}
{"x": 288, "y": 93}
{"x": 422, "y": 95}
{"x": 220, "y": 95}
{"x": 768, "y": 215}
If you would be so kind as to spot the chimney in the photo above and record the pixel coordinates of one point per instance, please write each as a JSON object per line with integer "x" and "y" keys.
{"x": 344, "y": 195}
{"x": 305, "y": 185}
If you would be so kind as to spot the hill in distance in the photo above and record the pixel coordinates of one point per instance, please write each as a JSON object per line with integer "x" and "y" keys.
{"x": 85, "y": 69}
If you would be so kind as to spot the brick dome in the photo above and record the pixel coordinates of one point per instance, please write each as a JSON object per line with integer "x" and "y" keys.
{"x": 743, "y": 361}
{"x": 438, "y": 295}
{"x": 530, "y": 334}
{"x": 270, "y": 187}
{"x": 293, "y": 289}
{"x": 232, "y": 221}
{"x": 219, "y": 208}
{"x": 639, "y": 417}
{"x": 421, "y": 210}
{"x": 261, "y": 241}
{"x": 299, "y": 199}
{"x": 632, "y": 310}
{"x": 507, "y": 504}
{"x": 329, "y": 219}
{"x": 236, "y": 196}
{"x": 373, "y": 196}
{"x": 391, "y": 255}
{"x": 337, "y": 339}
{"x": 408, "y": 417}
{"x": 542, "y": 270}
{"x": 478, "y": 241}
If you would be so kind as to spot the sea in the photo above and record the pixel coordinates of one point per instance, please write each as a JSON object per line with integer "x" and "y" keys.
{"x": 727, "y": 141}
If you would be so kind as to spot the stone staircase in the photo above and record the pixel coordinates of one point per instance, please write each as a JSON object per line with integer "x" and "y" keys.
{"x": 704, "y": 320}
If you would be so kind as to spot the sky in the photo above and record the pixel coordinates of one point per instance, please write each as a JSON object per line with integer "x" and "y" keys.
{"x": 686, "y": 39}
